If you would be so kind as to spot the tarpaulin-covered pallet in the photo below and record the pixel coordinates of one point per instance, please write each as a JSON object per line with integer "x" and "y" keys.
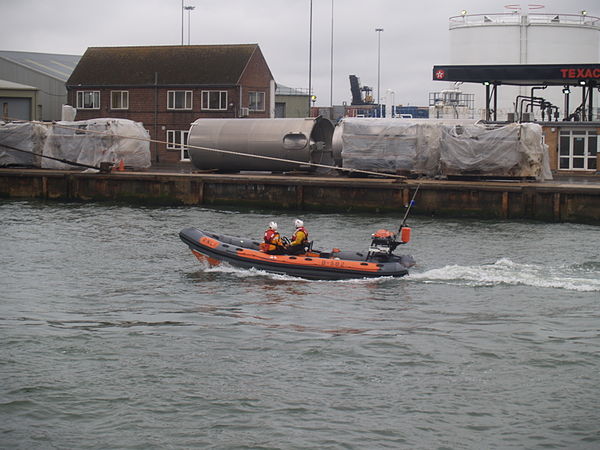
{"x": 443, "y": 148}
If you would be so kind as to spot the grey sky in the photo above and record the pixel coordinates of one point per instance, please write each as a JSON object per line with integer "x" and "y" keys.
{"x": 415, "y": 35}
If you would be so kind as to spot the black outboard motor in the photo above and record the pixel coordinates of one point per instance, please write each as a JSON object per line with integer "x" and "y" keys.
{"x": 383, "y": 242}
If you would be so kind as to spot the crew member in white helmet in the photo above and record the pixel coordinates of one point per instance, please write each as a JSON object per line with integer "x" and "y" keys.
{"x": 299, "y": 241}
{"x": 273, "y": 243}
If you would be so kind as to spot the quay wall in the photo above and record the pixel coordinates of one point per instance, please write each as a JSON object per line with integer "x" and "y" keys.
{"x": 550, "y": 202}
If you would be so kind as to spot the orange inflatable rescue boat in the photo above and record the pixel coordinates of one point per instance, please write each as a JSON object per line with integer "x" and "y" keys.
{"x": 378, "y": 261}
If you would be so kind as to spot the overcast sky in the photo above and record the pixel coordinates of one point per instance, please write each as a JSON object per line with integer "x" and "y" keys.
{"x": 415, "y": 35}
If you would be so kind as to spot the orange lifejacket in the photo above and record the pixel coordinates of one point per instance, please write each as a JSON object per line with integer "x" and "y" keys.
{"x": 300, "y": 239}
{"x": 272, "y": 240}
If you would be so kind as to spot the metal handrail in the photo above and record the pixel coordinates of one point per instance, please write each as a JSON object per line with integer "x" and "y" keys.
{"x": 517, "y": 18}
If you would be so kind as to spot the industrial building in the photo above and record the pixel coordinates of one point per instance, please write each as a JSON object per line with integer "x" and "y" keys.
{"x": 291, "y": 102}
{"x": 39, "y": 92}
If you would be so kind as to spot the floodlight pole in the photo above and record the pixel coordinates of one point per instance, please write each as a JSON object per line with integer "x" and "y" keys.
{"x": 310, "y": 57}
{"x": 181, "y": 22}
{"x": 379, "y": 30}
{"x": 331, "y": 64}
{"x": 189, "y": 9}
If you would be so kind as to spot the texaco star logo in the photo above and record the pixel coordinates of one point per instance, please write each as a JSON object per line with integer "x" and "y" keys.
{"x": 440, "y": 74}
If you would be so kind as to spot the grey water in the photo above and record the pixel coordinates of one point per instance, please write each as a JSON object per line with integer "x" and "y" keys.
{"x": 114, "y": 336}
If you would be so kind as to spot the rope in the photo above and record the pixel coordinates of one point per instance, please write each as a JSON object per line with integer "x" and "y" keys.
{"x": 228, "y": 152}
{"x": 73, "y": 163}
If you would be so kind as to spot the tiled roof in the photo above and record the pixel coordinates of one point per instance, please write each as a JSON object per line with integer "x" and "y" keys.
{"x": 53, "y": 65}
{"x": 174, "y": 65}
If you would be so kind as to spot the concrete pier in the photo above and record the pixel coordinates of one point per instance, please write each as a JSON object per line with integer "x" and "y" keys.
{"x": 550, "y": 202}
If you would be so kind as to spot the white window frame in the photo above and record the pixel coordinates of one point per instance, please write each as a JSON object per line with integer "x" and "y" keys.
{"x": 177, "y": 140}
{"x": 588, "y": 154}
{"x": 207, "y": 97}
{"x": 256, "y": 99}
{"x": 172, "y": 100}
{"x": 123, "y": 97}
{"x": 83, "y": 99}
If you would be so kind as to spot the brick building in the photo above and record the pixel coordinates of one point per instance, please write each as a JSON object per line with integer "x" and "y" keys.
{"x": 169, "y": 87}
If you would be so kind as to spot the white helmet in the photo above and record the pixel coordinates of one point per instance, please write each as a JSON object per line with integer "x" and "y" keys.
{"x": 298, "y": 223}
{"x": 273, "y": 225}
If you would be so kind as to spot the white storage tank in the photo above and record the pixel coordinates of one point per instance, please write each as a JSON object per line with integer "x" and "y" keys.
{"x": 523, "y": 37}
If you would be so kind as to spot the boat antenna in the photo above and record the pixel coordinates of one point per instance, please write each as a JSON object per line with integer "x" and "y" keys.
{"x": 412, "y": 202}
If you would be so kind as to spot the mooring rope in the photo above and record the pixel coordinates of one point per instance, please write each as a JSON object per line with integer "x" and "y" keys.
{"x": 227, "y": 152}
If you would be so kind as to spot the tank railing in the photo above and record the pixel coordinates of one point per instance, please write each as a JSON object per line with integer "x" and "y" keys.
{"x": 291, "y": 91}
{"x": 517, "y": 18}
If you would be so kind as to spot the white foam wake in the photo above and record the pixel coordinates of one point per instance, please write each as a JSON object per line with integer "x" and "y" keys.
{"x": 505, "y": 271}
{"x": 247, "y": 273}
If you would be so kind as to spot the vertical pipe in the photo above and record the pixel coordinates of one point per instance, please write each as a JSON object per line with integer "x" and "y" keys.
{"x": 487, "y": 102}
{"x": 495, "y": 102}
{"x": 156, "y": 116}
{"x": 583, "y": 115}
{"x": 590, "y": 103}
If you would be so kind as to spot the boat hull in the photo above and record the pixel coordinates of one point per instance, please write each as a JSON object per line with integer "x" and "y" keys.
{"x": 245, "y": 253}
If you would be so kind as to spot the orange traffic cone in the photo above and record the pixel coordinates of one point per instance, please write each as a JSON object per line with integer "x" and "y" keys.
{"x": 121, "y": 166}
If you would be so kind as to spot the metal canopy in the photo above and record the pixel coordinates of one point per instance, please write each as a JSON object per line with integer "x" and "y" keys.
{"x": 521, "y": 74}
{"x": 586, "y": 76}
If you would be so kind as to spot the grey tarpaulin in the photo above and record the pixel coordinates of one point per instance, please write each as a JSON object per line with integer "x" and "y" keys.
{"x": 25, "y": 136}
{"x": 97, "y": 140}
{"x": 444, "y": 147}
{"x": 511, "y": 150}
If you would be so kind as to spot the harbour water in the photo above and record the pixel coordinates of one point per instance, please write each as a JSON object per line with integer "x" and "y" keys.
{"x": 115, "y": 336}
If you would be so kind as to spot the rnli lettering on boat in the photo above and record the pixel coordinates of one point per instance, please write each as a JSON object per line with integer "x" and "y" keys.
{"x": 212, "y": 243}
{"x": 301, "y": 260}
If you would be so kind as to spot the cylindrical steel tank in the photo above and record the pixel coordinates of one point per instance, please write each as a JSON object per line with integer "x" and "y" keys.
{"x": 522, "y": 37}
{"x": 302, "y": 140}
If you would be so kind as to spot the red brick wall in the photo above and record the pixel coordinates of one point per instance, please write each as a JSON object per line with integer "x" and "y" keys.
{"x": 257, "y": 77}
{"x": 149, "y": 106}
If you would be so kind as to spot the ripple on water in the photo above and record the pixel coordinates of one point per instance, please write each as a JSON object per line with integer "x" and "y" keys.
{"x": 113, "y": 336}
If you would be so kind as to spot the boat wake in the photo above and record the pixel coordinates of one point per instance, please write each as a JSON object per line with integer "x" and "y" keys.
{"x": 225, "y": 268}
{"x": 580, "y": 277}
{"x": 583, "y": 277}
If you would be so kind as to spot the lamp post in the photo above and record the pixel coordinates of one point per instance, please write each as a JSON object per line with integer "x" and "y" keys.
{"x": 379, "y": 30}
{"x": 331, "y": 63}
{"x": 189, "y": 9}
{"x": 181, "y": 22}
{"x": 310, "y": 57}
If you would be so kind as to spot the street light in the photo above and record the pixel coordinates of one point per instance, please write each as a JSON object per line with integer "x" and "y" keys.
{"x": 379, "y": 30}
{"x": 310, "y": 56}
{"x": 181, "y": 22}
{"x": 331, "y": 64}
{"x": 189, "y": 9}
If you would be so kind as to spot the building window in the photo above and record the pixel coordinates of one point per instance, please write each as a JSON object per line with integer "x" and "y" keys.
{"x": 88, "y": 100}
{"x": 257, "y": 101}
{"x": 179, "y": 100}
{"x": 177, "y": 140}
{"x": 119, "y": 100}
{"x": 578, "y": 150}
{"x": 214, "y": 100}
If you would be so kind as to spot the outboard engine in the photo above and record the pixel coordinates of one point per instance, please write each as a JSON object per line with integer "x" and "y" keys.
{"x": 383, "y": 242}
